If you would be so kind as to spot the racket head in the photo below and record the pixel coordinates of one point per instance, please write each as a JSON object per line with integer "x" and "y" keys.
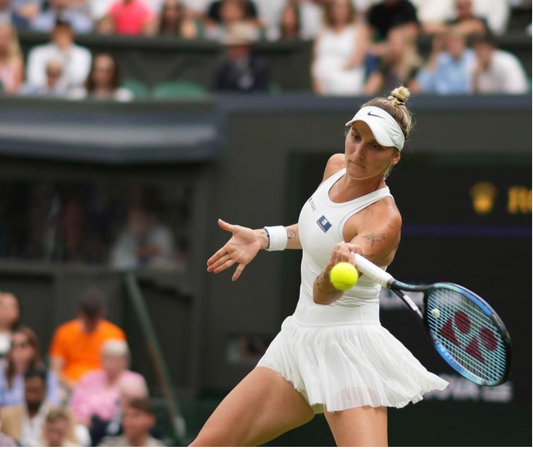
{"x": 467, "y": 333}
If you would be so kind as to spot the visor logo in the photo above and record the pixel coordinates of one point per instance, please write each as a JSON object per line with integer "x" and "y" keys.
{"x": 374, "y": 115}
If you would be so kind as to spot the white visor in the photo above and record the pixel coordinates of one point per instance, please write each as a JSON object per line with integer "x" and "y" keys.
{"x": 383, "y": 126}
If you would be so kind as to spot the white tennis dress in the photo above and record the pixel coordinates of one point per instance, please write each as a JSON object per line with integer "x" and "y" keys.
{"x": 338, "y": 356}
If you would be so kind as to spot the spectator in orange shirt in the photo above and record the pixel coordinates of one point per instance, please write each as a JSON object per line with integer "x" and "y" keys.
{"x": 77, "y": 345}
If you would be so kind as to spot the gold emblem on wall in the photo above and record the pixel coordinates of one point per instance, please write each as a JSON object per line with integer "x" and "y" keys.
{"x": 519, "y": 200}
{"x": 483, "y": 197}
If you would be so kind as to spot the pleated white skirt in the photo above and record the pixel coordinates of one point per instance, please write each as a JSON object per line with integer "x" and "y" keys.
{"x": 348, "y": 365}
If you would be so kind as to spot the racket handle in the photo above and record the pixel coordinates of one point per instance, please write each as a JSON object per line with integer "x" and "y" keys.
{"x": 372, "y": 271}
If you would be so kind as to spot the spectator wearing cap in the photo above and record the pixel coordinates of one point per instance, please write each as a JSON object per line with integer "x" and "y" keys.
{"x": 242, "y": 71}
{"x": 97, "y": 393}
{"x": 76, "y": 60}
{"x": 449, "y": 68}
{"x": 79, "y": 18}
{"x": 496, "y": 71}
{"x": 24, "y": 423}
{"x": 129, "y": 17}
{"x": 137, "y": 421}
{"x": 77, "y": 345}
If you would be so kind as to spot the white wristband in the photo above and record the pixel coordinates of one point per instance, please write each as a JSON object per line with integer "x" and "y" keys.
{"x": 277, "y": 238}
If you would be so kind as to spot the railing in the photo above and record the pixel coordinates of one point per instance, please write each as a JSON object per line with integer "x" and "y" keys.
{"x": 135, "y": 297}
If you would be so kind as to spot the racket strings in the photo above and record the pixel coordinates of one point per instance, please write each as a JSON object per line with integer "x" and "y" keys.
{"x": 467, "y": 334}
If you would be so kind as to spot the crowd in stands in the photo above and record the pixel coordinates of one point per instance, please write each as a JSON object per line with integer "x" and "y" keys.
{"x": 360, "y": 46}
{"x": 87, "y": 396}
{"x": 107, "y": 224}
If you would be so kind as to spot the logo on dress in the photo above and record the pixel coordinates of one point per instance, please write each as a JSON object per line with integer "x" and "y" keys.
{"x": 324, "y": 224}
{"x": 312, "y": 203}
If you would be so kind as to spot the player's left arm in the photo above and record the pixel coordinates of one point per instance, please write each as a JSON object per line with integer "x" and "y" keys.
{"x": 376, "y": 236}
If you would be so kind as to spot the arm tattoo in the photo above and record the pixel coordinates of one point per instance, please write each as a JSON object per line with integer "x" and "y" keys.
{"x": 389, "y": 226}
{"x": 372, "y": 238}
{"x": 291, "y": 234}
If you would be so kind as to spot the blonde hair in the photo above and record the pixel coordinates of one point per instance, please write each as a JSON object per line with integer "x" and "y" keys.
{"x": 13, "y": 47}
{"x": 394, "y": 104}
{"x": 61, "y": 413}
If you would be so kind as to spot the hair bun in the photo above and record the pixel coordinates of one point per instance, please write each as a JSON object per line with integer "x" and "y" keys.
{"x": 399, "y": 96}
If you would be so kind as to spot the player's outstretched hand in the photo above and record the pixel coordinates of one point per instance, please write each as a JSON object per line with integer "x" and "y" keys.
{"x": 240, "y": 249}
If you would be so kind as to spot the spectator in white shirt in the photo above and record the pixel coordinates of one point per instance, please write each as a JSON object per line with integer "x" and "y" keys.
{"x": 54, "y": 86}
{"x": 496, "y": 71}
{"x": 76, "y": 60}
{"x": 24, "y": 423}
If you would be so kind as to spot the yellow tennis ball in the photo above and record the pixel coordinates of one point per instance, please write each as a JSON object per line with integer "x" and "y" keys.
{"x": 343, "y": 276}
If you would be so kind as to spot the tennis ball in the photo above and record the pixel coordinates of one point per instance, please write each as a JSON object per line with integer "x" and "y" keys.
{"x": 343, "y": 276}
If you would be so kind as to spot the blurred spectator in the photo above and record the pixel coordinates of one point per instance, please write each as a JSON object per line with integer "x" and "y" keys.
{"x": 98, "y": 392}
{"x": 433, "y": 14}
{"x": 144, "y": 242}
{"x": 197, "y": 8}
{"x": 215, "y": 11}
{"x": 497, "y": 71}
{"x": 231, "y": 14}
{"x": 19, "y": 13}
{"x": 55, "y": 85}
{"x": 340, "y": 51}
{"x": 58, "y": 429}
{"x": 77, "y": 345}
{"x": 9, "y": 320}
{"x": 103, "y": 82}
{"x": 6, "y": 441}
{"x": 449, "y": 68}
{"x": 465, "y": 21}
{"x": 173, "y": 21}
{"x": 311, "y": 15}
{"x": 24, "y": 355}
{"x": 496, "y": 14}
{"x": 129, "y": 389}
{"x": 290, "y": 23}
{"x": 64, "y": 10}
{"x": 389, "y": 14}
{"x": 138, "y": 420}
{"x": 11, "y": 64}
{"x": 269, "y": 14}
{"x": 24, "y": 423}
{"x": 130, "y": 17}
{"x": 76, "y": 60}
{"x": 399, "y": 65}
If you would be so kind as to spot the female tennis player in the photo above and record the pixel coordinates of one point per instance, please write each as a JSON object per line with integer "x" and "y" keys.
{"x": 332, "y": 356}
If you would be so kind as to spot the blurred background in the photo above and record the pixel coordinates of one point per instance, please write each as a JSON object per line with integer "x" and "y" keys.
{"x": 128, "y": 127}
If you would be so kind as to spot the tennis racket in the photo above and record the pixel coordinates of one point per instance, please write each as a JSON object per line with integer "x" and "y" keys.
{"x": 463, "y": 328}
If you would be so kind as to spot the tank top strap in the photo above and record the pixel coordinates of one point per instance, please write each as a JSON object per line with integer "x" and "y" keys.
{"x": 326, "y": 185}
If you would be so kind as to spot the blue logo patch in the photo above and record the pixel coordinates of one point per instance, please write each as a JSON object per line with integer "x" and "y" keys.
{"x": 324, "y": 224}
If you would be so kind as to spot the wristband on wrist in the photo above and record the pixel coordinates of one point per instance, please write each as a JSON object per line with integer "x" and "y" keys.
{"x": 277, "y": 238}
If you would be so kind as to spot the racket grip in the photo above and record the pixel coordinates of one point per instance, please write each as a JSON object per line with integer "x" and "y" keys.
{"x": 372, "y": 271}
